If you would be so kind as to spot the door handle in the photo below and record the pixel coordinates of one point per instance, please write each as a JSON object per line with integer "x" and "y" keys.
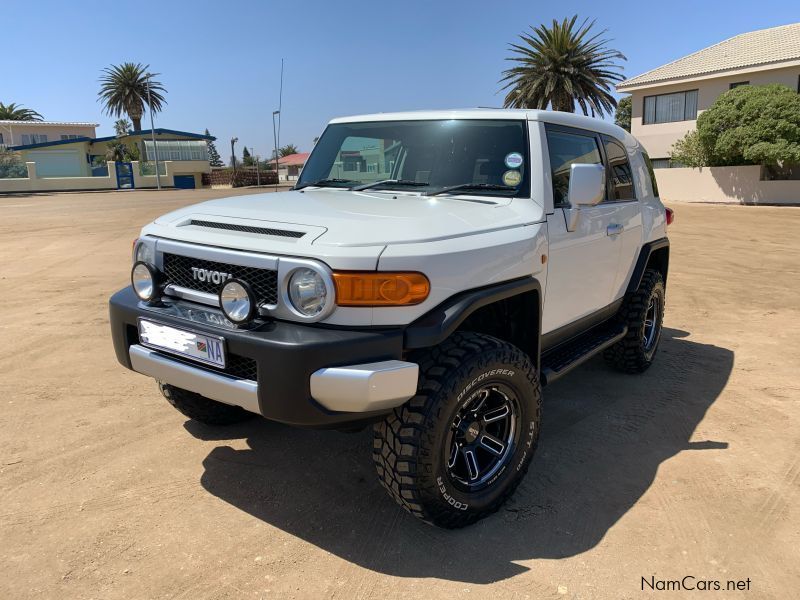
{"x": 614, "y": 229}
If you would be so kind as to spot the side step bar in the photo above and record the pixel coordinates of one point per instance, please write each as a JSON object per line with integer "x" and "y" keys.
{"x": 560, "y": 360}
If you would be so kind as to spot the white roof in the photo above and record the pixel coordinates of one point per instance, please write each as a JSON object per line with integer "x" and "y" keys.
{"x": 547, "y": 116}
{"x": 72, "y": 123}
{"x": 752, "y": 49}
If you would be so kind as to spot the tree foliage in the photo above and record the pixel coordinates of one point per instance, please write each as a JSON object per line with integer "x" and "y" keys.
{"x": 214, "y": 159}
{"x": 689, "y": 152}
{"x": 15, "y": 112}
{"x": 11, "y": 165}
{"x": 123, "y": 90}
{"x": 561, "y": 65}
{"x": 622, "y": 116}
{"x": 122, "y": 127}
{"x": 751, "y": 125}
{"x": 287, "y": 150}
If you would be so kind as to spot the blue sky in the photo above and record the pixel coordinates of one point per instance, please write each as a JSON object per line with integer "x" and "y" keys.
{"x": 220, "y": 62}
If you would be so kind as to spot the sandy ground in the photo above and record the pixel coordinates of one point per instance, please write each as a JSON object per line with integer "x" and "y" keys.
{"x": 107, "y": 492}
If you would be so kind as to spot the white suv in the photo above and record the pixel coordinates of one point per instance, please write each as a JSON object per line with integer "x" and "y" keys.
{"x": 428, "y": 274}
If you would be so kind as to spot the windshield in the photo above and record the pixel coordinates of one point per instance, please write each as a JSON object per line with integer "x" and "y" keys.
{"x": 423, "y": 156}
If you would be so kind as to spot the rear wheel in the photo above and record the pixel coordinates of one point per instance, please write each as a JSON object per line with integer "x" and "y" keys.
{"x": 643, "y": 313}
{"x": 458, "y": 449}
{"x": 202, "y": 409}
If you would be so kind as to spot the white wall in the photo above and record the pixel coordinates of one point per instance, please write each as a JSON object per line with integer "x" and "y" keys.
{"x": 736, "y": 185}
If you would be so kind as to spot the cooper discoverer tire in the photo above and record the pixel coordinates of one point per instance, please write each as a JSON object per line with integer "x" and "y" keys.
{"x": 202, "y": 409}
{"x": 457, "y": 450}
{"x": 643, "y": 313}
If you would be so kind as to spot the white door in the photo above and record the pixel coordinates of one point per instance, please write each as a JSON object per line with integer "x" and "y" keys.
{"x": 583, "y": 264}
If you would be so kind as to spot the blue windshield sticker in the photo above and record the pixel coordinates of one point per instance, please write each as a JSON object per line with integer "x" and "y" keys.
{"x": 514, "y": 160}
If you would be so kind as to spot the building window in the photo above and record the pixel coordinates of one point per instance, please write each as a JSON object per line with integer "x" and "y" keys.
{"x": 738, "y": 84}
{"x": 177, "y": 150}
{"x": 666, "y": 163}
{"x": 668, "y": 108}
{"x": 33, "y": 138}
{"x": 69, "y": 136}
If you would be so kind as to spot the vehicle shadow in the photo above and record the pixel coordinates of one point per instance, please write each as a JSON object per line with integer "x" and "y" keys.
{"x": 604, "y": 436}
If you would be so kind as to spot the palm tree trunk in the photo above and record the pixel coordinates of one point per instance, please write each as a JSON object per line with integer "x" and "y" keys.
{"x": 137, "y": 123}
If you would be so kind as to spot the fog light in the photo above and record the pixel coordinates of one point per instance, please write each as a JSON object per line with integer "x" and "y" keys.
{"x": 237, "y": 301}
{"x": 144, "y": 281}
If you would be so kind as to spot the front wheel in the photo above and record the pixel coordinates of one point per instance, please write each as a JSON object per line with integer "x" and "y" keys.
{"x": 458, "y": 449}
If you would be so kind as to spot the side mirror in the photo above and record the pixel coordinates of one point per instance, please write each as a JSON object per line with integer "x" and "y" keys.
{"x": 587, "y": 187}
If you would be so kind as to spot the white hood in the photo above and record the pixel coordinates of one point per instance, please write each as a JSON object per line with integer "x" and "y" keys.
{"x": 342, "y": 218}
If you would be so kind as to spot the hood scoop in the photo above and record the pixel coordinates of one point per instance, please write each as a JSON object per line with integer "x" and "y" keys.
{"x": 247, "y": 228}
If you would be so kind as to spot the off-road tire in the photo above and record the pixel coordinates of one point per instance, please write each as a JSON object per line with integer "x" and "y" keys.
{"x": 201, "y": 409}
{"x": 631, "y": 354}
{"x": 410, "y": 444}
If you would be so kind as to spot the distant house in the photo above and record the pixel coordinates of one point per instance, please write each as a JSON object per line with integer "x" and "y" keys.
{"x": 15, "y": 133}
{"x": 667, "y": 100}
{"x": 290, "y": 166}
{"x": 81, "y": 162}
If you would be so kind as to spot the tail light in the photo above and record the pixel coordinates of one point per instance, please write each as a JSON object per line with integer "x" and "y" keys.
{"x": 670, "y": 216}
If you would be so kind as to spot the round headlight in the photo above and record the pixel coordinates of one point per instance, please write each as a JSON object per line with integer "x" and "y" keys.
{"x": 308, "y": 292}
{"x": 145, "y": 252}
{"x": 143, "y": 280}
{"x": 237, "y": 301}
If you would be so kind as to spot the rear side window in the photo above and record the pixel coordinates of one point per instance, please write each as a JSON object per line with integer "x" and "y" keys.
{"x": 619, "y": 169}
{"x": 650, "y": 173}
{"x": 567, "y": 149}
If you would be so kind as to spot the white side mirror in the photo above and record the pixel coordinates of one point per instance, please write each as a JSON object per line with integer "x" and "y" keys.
{"x": 587, "y": 187}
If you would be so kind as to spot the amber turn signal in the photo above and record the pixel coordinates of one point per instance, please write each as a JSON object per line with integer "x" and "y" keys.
{"x": 369, "y": 288}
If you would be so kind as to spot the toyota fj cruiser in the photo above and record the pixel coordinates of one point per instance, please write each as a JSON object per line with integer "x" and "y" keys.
{"x": 427, "y": 275}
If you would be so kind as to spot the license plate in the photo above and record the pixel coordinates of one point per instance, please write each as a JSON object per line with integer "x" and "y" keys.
{"x": 203, "y": 348}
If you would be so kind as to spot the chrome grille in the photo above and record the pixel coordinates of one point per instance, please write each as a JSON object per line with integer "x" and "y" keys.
{"x": 178, "y": 271}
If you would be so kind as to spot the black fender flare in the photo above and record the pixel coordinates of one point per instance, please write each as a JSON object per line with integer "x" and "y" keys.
{"x": 645, "y": 252}
{"x": 439, "y": 323}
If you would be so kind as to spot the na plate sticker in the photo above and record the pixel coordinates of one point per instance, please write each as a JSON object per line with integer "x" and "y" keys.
{"x": 514, "y": 160}
{"x": 512, "y": 178}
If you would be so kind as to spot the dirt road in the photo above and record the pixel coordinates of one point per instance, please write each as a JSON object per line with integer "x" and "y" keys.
{"x": 692, "y": 469}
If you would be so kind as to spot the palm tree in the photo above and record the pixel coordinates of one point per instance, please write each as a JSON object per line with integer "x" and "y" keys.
{"x": 122, "y": 127}
{"x": 123, "y": 90}
{"x": 287, "y": 150}
{"x": 561, "y": 65}
{"x": 15, "y": 112}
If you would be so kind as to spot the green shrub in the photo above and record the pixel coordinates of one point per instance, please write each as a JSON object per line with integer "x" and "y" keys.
{"x": 11, "y": 165}
{"x": 752, "y": 125}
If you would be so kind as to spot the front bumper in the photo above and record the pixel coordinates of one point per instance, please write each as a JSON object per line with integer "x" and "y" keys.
{"x": 304, "y": 375}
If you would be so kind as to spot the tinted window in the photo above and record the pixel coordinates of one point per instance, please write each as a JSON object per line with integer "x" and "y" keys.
{"x": 620, "y": 174}
{"x": 651, "y": 173}
{"x": 567, "y": 149}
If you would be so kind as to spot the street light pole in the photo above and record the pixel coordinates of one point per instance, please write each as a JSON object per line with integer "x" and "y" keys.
{"x": 233, "y": 152}
{"x": 275, "y": 139}
{"x": 152, "y": 130}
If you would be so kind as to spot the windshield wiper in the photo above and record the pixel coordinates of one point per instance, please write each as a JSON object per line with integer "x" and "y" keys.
{"x": 472, "y": 186}
{"x": 402, "y": 182}
{"x": 324, "y": 183}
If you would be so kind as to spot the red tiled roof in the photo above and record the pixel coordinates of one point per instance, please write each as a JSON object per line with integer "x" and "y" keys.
{"x": 294, "y": 159}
